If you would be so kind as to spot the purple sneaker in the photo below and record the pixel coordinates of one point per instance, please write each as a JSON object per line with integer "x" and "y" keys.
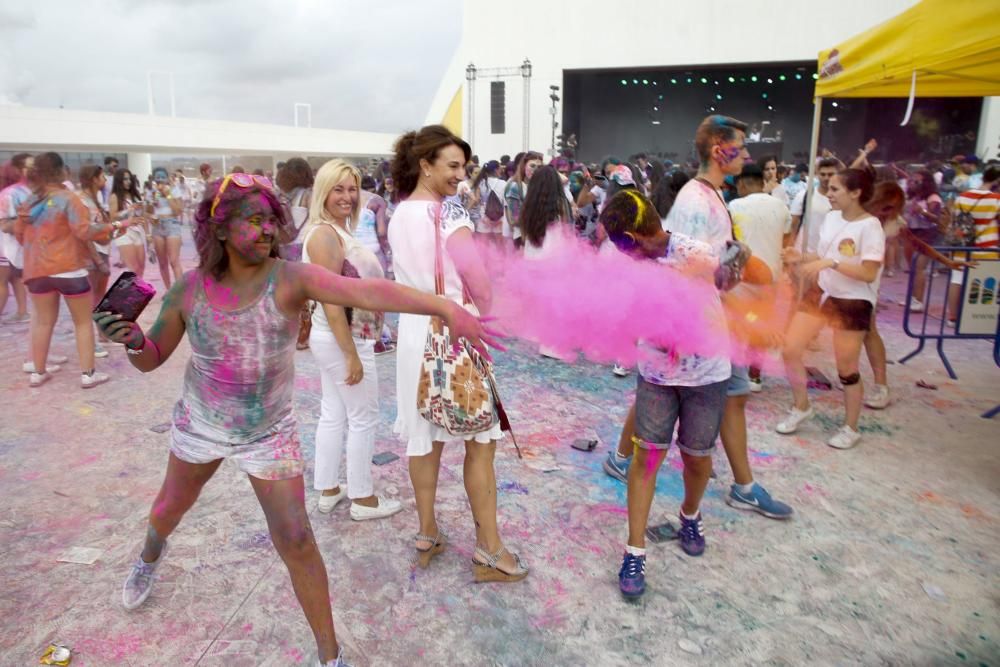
{"x": 692, "y": 534}
{"x": 632, "y": 576}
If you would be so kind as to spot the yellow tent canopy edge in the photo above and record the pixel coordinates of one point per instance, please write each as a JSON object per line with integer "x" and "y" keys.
{"x": 952, "y": 45}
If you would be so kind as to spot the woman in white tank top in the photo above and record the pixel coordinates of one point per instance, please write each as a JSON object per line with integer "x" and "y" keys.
{"x": 343, "y": 343}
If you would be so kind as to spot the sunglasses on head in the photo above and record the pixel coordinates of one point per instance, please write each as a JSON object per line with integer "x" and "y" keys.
{"x": 243, "y": 182}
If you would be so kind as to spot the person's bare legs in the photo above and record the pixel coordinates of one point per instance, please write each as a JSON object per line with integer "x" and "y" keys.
{"x": 83, "y": 326}
{"x": 5, "y": 273}
{"x": 283, "y": 502}
{"x": 481, "y": 487}
{"x": 875, "y": 349}
{"x": 847, "y": 350}
{"x": 954, "y": 296}
{"x": 641, "y": 489}
{"x": 920, "y": 279}
{"x": 162, "y": 260}
{"x": 174, "y": 255}
{"x": 802, "y": 329}
{"x": 134, "y": 258}
{"x": 180, "y": 489}
{"x": 625, "y": 445}
{"x": 697, "y": 470}
{"x": 424, "y": 472}
{"x": 734, "y": 438}
{"x": 20, "y": 294}
{"x": 44, "y": 313}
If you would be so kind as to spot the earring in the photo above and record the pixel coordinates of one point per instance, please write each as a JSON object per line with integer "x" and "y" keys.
{"x": 427, "y": 174}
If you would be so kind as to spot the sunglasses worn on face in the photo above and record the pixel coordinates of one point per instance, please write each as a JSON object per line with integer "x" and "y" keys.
{"x": 243, "y": 182}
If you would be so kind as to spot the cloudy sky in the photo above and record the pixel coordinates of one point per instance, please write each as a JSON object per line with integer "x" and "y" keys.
{"x": 363, "y": 65}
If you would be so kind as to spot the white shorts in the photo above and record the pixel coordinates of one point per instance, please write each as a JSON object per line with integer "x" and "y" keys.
{"x": 132, "y": 236}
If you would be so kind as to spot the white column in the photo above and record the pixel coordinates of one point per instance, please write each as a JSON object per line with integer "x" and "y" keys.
{"x": 141, "y": 165}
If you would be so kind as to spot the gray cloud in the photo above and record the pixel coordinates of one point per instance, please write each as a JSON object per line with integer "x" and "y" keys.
{"x": 364, "y": 66}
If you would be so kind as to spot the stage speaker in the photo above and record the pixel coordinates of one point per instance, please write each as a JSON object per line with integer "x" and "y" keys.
{"x": 498, "y": 112}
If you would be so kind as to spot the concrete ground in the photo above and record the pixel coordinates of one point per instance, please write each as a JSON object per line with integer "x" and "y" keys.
{"x": 890, "y": 559}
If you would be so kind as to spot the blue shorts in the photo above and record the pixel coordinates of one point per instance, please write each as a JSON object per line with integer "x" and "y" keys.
{"x": 64, "y": 286}
{"x": 696, "y": 411}
{"x": 167, "y": 227}
{"x": 739, "y": 381}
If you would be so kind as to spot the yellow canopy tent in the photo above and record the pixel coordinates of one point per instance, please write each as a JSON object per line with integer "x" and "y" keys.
{"x": 952, "y": 46}
{"x": 937, "y": 48}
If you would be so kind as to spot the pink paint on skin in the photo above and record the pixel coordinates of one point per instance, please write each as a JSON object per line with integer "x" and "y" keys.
{"x": 601, "y": 303}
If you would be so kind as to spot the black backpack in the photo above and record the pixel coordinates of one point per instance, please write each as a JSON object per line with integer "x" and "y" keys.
{"x": 494, "y": 206}
{"x": 962, "y": 230}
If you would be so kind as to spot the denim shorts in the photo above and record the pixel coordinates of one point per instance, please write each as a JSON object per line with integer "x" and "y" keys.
{"x": 696, "y": 411}
{"x": 167, "y": 227}
{"x": 739, "y": 381}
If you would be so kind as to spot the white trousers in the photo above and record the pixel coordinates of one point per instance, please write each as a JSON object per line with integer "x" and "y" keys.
{"x": 350, "y": 409}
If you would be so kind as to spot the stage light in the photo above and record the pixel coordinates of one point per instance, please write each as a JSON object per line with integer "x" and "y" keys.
{"x": 674, "y": 81}
{"x": 689, "y": 79}
{"x": 832, "y": 119}
{"x": 656, "y": 108}
{"x": 718, "y": 97}
{"x": 711, "y": 108}
{"x": 815, "y": 76}
{"x": 732, "y": 80}
{"x": 770, "y": 80}
{"x": 798, "y": 76}
{"x": 654, "y": 83}
{"x": 716, "y": 82}
{"x": 661, "y": 98}
{"x": 624, "y": 82}
{"x": 704, "y": 80}
{"x": 743, "y": 79}
{"x": 764, "y": 95}
{"x": 781, "y": 78}
{"x": 770, "y": 108}
{"x": 835, "y": 104}
{"x": 635, "y": 81}
{"x": 645, "y": 82}
{"x": 754, "y": 78}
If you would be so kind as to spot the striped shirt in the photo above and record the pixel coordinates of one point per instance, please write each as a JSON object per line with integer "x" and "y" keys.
{"x": 982, "y": 205}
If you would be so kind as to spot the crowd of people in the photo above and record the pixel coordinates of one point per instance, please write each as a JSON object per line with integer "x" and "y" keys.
{"x": 315, "y": 259}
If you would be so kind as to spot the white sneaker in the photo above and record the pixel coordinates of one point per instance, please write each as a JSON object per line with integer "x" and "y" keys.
{"x": 620, "y": 371}
{"x": 99, "y": 351}
{"x": 916, "y": 306}
{"x": 845, "y": 438}
{"x": 94, "y": 379}
{"x": 29, "y": 367}
{"x": 386, "y": 507}
{"x": 756, "y": 385}
{"x": 879, "y": 398}
{"x": 38, "y": 379}
{"x": 327, "y": 503}
{"x": 791, "y": 422}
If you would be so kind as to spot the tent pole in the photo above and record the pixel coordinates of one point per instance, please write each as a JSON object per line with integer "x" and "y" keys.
{"x": 813, "y": 151}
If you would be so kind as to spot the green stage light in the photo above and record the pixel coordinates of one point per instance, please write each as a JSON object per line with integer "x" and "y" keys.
{"x": 815, "y": 76}
{"x": 635, "y": 81}
{"x": 689, "y": 79}
{"x": 718, "y": 97}
{"x": 661, "y": 98}
{"x": 798, "y": 76}
{"x": 624, "y": 82}
{"x": 645, "y": 82}
{"x": 781, "y": 78}
{"x": 763, "y": 95}
{"x": 704, "y": 80}
{"x": 732, "y": 80}
{"x": 754, "y": 78}
{"x": 674, "y": 81}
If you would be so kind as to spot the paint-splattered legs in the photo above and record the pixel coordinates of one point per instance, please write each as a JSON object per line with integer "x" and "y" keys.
{"x": 181, "y": 486}
{"x": 628, "y": 431}
{"x": 641, "y": 488}
{"x": 697, "y": 470}
{"x": 847, "y": 350}
{"x": 802, "y": 329}
{"x": 424, "y": 477}
{"x": 734, "y": 438}
{"x": 283, "y": 502}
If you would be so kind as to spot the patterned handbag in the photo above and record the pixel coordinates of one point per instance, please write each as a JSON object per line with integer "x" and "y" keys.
{"x": 456, "y": 390}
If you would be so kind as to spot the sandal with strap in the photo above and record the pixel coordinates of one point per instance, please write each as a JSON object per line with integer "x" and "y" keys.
{"x": 437, "y": 546}
{"x": 488, "y": 570}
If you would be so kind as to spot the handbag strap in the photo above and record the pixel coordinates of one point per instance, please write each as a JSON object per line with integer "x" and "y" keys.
{"x": 438, "y": 259}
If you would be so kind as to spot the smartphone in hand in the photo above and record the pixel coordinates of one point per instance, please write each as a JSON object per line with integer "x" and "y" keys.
{"x": 128, "y": 297}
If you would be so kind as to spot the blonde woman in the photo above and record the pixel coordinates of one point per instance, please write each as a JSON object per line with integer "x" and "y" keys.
{"x": 343, "y": 342}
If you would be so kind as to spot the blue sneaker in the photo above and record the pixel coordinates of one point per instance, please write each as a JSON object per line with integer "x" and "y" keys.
{"x": 617, "y": 467}
{"x": 692, "y": 534}
{"x": 632, "y": 576}
{"x": 760, "y": 501}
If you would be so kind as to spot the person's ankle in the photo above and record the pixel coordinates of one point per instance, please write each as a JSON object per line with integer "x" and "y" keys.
{"x": 331, "y": 492}
{"x": 370, "y": 501}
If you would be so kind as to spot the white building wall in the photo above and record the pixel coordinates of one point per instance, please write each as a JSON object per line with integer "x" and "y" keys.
{"x": 586, "y": 34}
{"x": 59, "y": 129}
